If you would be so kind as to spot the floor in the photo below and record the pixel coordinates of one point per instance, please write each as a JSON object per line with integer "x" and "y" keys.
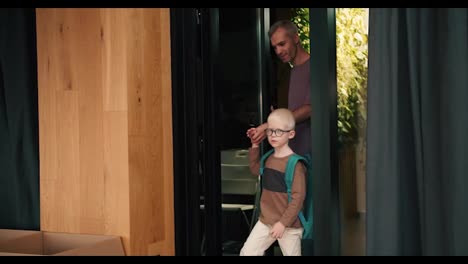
{"x": 353, "y": 239}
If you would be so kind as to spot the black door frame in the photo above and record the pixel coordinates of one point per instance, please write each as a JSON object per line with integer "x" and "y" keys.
{"x": 195, "y": 132}
{"x": 211, "y": 164}
{"x": 193, "y": 97}
{"x": 185, "y": 59}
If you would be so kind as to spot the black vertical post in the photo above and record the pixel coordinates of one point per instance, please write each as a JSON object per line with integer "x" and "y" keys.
{"x": 327, "y": 228}
{"x": 212, "y": 131}
{"x": 185, "y": 60}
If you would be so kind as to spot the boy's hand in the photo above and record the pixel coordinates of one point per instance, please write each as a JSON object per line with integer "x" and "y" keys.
{"x": 278, "y": 230}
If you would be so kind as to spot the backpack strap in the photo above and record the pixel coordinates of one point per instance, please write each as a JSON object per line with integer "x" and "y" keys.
{"x": 262, "y": 160}
{"x": 289, "y": 177}
{"x": 289, "y": 172}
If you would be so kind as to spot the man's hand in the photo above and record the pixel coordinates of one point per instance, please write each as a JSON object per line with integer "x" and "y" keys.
{"x": 256, "y": 134}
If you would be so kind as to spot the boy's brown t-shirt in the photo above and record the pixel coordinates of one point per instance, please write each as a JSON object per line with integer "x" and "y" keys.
{"x": 274, "y": 204}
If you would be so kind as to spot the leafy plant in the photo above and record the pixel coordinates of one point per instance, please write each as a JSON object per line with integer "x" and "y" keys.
{"x": 351, "y": 56}
{"x": 300, "y": 17}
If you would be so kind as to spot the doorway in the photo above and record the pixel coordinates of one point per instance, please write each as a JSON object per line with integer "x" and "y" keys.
{"x": 222, "y": 84}
{"x": 220, "y": 80}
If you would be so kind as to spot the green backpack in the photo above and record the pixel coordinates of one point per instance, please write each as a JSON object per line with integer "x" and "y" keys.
{"x": 306, "y": 214}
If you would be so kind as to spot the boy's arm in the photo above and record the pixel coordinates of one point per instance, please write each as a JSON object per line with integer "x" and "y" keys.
{"x": 298, "y": 193}
{"x": 254, "y": 159}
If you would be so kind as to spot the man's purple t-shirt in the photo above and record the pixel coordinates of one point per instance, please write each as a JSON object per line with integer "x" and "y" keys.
{"x": 299, "y": 94}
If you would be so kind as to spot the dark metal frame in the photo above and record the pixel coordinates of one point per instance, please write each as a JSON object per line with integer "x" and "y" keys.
{"x": 196, "y": 160}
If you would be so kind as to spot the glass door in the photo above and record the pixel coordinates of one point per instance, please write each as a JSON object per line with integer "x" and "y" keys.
{"x": 237, "y": 88}
{"x": 220, "y": 80}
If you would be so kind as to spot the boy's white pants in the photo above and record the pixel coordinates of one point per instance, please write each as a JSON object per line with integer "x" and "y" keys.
{"x": 260, "y": 240}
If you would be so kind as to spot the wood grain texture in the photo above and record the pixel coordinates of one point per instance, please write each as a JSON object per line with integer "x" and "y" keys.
{"x": 105, "y": 125}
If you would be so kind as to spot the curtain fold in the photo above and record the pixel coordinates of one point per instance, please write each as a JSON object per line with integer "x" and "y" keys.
{"x": 417, "y": 164}
{"x": 19, "y": 154}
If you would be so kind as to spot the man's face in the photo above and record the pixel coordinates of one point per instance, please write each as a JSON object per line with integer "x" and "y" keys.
{"x": 284, "y": 45}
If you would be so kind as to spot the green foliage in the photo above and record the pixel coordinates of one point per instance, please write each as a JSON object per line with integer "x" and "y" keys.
{"x": 300, "y": 17}
{"x": 351, "y": 53}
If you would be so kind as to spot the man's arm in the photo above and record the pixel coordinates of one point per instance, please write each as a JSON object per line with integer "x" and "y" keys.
{"x": 257, "y": 134}
{"x": 302, "y": 113}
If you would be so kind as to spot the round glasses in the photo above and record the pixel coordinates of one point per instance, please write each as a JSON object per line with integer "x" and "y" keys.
{"x": 277, "y": 132}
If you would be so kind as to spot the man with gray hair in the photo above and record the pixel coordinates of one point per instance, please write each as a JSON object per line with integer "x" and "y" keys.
{"x": 286, "y": 43}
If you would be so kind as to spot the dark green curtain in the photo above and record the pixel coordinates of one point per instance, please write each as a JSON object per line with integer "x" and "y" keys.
{"x": 417, "y": 164}
{"x": 19, "y": 154}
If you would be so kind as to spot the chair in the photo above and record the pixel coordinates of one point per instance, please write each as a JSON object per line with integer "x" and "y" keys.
{"x": 237, "y": 181}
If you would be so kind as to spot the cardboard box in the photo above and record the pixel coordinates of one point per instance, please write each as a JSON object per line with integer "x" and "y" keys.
{"x": 37, "y": 243}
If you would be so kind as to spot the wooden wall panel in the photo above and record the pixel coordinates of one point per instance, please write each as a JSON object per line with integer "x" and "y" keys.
{"x": 67, "y": 185}
{"x": 116, "y": 181}
{"x": 165, "y": 112}
{"x": 47, "y": 120}
{"x": 145, "y": 131}
{"x": 115, "y": 37}
{"x": 106, "y": 126}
